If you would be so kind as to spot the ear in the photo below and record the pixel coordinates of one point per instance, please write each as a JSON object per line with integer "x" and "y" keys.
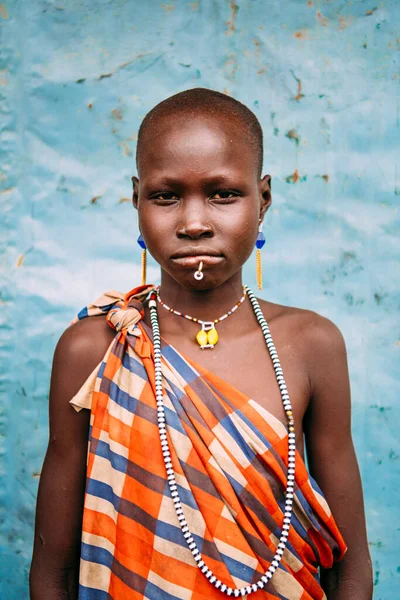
{"x": 265, "y": 195}
{"x": 135, "y": 193}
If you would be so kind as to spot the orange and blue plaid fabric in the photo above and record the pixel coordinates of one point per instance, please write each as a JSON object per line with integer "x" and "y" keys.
{"x": 229, "y": 455}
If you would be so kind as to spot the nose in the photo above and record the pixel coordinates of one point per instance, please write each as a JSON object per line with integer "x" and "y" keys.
{"x": 194, "y": 224}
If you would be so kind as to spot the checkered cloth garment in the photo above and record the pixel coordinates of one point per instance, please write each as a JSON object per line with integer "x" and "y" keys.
{"x": 230, "y": 460}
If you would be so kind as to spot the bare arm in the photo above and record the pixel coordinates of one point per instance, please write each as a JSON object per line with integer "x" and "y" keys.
{"x": 55, "y": 565}
{"x": 333, "y": 462}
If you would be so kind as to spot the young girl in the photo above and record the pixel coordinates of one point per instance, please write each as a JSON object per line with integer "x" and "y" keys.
{"x": 180, "y": 474}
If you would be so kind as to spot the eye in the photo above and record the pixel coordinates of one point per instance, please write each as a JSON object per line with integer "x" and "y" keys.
{"x": 226, "y": 196}
{"x": 164, "y": 198}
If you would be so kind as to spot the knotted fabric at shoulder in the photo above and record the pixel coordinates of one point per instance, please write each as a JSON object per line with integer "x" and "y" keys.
{"x": 123, "y": 311}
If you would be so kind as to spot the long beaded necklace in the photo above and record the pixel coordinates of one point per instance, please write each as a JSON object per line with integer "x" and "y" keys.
{"x": 222, "y": 587}
{"x": 207, "y": 337}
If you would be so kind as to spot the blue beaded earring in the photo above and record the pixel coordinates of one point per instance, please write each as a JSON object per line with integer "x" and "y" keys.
{"x": 260, "y": 241}
{"x": 143, "y": 246}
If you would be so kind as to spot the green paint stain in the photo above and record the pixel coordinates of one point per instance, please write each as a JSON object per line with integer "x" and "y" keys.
{"x": 377, "y": 544}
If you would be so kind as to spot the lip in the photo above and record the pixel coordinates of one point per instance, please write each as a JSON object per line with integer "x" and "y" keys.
{"x": 193, "y": 260}
{"x": 196, "y": 251}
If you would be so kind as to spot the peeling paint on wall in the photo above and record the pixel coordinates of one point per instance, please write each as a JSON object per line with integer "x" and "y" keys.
{"x": 76, "y": 79}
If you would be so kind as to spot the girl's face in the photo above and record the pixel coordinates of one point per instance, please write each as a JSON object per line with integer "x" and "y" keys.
{"x": 199, "y": 198}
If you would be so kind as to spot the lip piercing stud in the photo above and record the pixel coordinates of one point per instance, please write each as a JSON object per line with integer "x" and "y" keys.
{"x": 199, "y": 273}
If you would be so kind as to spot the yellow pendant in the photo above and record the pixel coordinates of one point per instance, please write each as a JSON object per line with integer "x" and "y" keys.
{"x": 212, "y": 336}
{"x": 202, "y": 338}
{"x": 207, "y": 337}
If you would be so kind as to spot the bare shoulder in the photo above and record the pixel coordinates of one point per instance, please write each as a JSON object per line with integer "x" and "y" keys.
{"x": 80, "y": 348}
{"x": 317, "y": 335}
{"x": 88, "y": 339}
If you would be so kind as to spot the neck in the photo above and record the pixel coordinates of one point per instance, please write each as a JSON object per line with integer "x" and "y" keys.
{"x": 206, "y": 304}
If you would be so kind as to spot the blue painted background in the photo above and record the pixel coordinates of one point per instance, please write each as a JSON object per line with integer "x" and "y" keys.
{"x": 77, "y": 77}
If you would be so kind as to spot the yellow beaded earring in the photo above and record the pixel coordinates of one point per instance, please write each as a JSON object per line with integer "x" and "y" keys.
{"x": 142, "y": 244}
{"x": 260, "y": 241}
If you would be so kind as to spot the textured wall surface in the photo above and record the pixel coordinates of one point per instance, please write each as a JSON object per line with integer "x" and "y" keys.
{"x": 77, "y": 77}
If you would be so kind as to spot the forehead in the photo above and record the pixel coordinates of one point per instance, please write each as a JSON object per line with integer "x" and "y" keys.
{"x": 192, "y": 143}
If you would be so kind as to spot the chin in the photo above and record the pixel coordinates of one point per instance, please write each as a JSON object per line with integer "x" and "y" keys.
{"x": 188, "y": 282}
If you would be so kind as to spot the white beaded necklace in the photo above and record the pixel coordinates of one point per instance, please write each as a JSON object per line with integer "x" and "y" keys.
{"x": 222, "y": 587}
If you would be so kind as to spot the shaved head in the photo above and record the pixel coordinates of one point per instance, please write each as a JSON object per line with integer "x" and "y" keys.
{"x": 201, "y": 102}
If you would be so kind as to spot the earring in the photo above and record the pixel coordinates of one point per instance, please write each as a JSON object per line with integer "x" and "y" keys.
{"x": 143, "y": 246}
{"x": 260, "y": 241}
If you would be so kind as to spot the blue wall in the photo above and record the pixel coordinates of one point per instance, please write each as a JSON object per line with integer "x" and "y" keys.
{"x": 77, "y": 77}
